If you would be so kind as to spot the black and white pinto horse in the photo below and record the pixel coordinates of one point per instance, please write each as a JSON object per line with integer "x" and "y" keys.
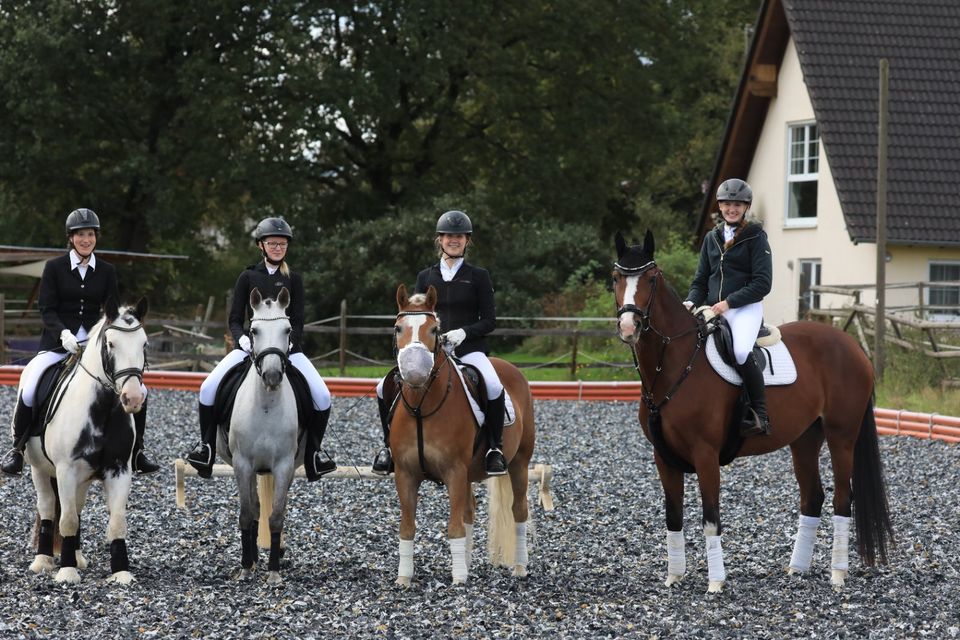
{"x": 89, "y": 436}
{"x": 264, "y": 430}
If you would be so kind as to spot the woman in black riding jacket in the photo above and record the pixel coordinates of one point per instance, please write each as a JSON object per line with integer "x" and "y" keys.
{"x": 73, "y": 290}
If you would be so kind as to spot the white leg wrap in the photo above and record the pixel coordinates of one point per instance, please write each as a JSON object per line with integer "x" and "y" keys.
{"x": 406, "y": 559}
{"x": 458, "y": 554}
{"x": 715, "y": 570}
{"x": 521, "y": 553}
{"x": 676, "y": 554}
{"x": 841, "y": 543}
{"x": 803, "y": 547}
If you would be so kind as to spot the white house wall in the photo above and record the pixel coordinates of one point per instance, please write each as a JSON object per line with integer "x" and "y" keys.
{"x": 842, "y": 262}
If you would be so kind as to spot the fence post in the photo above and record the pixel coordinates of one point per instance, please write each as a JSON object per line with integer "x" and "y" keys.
{"x": 3, "y": 328}
{"x": 920, "y": 299}
{"x": 343, "y": 337}
{"x": 573, "y": 360}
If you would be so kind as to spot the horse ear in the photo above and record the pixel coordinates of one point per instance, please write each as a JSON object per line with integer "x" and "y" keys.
{"x": 648, "y": 244}
{"x": 141, "y": 311}
{"x": 402, "y": 297}
{"x": 284, "y": 298}
{"x": 431, "y": 297}
{"x": 255, "y": 298}
{"x": 111, "y": 308}
{"x": 620, "y": 243}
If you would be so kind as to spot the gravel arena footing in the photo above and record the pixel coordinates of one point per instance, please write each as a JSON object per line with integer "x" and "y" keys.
{"x": 597, "y": 562}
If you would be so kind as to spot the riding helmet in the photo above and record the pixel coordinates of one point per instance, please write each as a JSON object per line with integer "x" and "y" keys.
{"x": 272, "y": 227}
{"x": 734, "y": 190}
{"x": 82, "y": 219}
{"x": 454, "y": 222}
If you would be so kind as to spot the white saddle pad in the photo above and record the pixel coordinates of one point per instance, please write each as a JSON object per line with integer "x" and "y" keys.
{"x": 509, "y": 414}
{"x": 779, "y": 369}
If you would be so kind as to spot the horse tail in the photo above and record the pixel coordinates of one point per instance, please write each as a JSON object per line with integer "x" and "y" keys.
{"x": 870, "y": 509}
{"x": 501, "y": 529}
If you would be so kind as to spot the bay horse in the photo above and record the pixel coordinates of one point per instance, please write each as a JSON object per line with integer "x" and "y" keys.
{"x": 264, "y": 434}
{"x": 89, "y": 435}
{"x": 686, "y": 411}
{"x": 434, "y": 435}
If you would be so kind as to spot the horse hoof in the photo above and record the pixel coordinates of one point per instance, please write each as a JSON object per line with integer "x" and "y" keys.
{"x": 42, "y": 563}
{"x": 273, "y": 577}
{"x": 838, "y": 578}
{"x": 715, "y": 586}
{"x": 81, "y": 561}
{"x": 242, "y": 574}
{"x": 520, "y": 571}
{"x": 672, "y": 580}
{"x": 121, "y": 577}
{"x": 404, "y": 581}
{"x": 67, "y": 574}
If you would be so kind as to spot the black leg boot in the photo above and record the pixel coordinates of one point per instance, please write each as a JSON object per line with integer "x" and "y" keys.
{"x": 203, "y": 454}
{"x": 383, "y": 464}
{"x": 141, "y": 463}
{"x": 496, "y": 464}
{"x": 316, "y": 465}
{"x": 753, "y": 383}
{"x": 12, "y": 463}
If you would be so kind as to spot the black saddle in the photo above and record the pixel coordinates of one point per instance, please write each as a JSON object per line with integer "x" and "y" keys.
{"x": 230, "y": 385}
{"x": 724, "y": 341}
{"x": 50, "y": 381}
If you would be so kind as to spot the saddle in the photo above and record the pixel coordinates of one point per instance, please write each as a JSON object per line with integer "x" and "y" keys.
{"x": 720, "y": 328}
{"x": 230, "y": 385}
{"x": 51, "y": 380}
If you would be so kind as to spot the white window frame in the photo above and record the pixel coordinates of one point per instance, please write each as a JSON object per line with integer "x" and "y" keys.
{"x": 805, "y": 176}
{"x": 940, "y": 315}
{"x": 817, "y": 273}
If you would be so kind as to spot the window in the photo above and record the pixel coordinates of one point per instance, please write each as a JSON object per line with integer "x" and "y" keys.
{"x": 809, "y": 276}
{"x": 939, "y": 297}
{"x": 803, "y": 167}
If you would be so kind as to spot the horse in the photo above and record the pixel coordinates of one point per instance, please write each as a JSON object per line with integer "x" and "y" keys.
{"x": 264, "y": 433}
{"x": 89, "y": 435}
{"x": 435, "y": 436}
{"x": 686, "y": 408}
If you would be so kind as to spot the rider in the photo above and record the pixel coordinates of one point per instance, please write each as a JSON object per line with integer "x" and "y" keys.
{"x": 273, "y": 236}
{"x": 467, "y": 314}
{"x": 734, "y": 274}
{"x": 73, "y": 290}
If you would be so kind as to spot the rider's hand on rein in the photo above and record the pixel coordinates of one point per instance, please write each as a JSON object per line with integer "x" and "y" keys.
{"x": 69, "y": 341}
{"x": 244, "y": 343}
{"x": 454, "y": 338}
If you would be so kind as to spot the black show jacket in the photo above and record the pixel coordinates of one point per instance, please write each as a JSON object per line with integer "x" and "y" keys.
{"x": 67, "y": 302}
{"x": 466, "y": 302}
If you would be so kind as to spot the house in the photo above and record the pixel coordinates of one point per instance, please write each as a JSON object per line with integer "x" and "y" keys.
{"x": 803, "y": 133}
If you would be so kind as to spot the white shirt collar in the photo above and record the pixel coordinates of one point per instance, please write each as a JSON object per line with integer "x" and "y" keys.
{"x": 75, "y": 260}
{"x": 271, "y": 269}
{"x": 446, "y": 272}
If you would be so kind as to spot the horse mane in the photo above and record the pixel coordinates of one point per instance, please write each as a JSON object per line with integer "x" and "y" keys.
{"x": 418, "y": 299}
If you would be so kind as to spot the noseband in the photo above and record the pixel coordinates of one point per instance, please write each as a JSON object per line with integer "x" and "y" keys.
{"x": 116, "y": 378}
{"x": 271, "y": 351}
{"x": 642, "y": 315}
{"x": 436, "y": 344}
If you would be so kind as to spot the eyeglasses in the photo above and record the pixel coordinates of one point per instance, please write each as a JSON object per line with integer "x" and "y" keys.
{"x": 276, "y": 245}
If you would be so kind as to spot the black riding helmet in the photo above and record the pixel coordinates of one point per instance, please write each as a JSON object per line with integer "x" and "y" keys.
{"x": 734, "y": 190}
{"x": 454, "y": 222}
{"x": 272, "y": 227}
{"x": 82, "y": 219}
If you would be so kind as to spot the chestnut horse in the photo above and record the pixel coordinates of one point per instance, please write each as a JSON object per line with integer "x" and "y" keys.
{"x": 434, "y": 435}
{"x": 686, "y": 412}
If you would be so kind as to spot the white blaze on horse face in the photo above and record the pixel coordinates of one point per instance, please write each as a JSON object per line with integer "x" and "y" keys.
{"x": 127, "y": 349}
{"x": 414, "y": 358}
{"x": 628, "y": 323}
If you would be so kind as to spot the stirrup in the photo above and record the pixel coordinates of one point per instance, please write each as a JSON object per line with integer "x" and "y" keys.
{"x": 201, "y": 459}
{"x": 755, "y": 427}
{"x": 13, "y": 463}
{"x": 494, "y": 462}
{"x": 383, "y": 463}
{"x": 318, "y": 467}
{"x": 143, "y": 465}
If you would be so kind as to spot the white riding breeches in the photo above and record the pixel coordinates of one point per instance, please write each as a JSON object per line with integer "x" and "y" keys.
{"x": 744, "y": 325}
{"x": 318, "y": 389}
{"x": 480, "y": 360}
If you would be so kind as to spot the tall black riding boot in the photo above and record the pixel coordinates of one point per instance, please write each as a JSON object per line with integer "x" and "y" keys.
{"x": 141, "y": 463}
{"x": 316, "y": 465}
{"x": 383, "y": 463}
{"x": 496, "y": 464}
{"x": 753, "y": 382}
{"x": 12, "y": 463}
{"x": 203, "y": 454}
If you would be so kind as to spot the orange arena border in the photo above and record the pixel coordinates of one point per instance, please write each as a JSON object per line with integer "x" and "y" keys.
{"x": 889, "y": 421}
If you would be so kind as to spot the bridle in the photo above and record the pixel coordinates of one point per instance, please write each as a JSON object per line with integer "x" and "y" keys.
{"x": 115, "y": 379}
{"x": 644, "y": 324}
{"x": 284, "y": 355}
{"x": 436, "y": 344}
